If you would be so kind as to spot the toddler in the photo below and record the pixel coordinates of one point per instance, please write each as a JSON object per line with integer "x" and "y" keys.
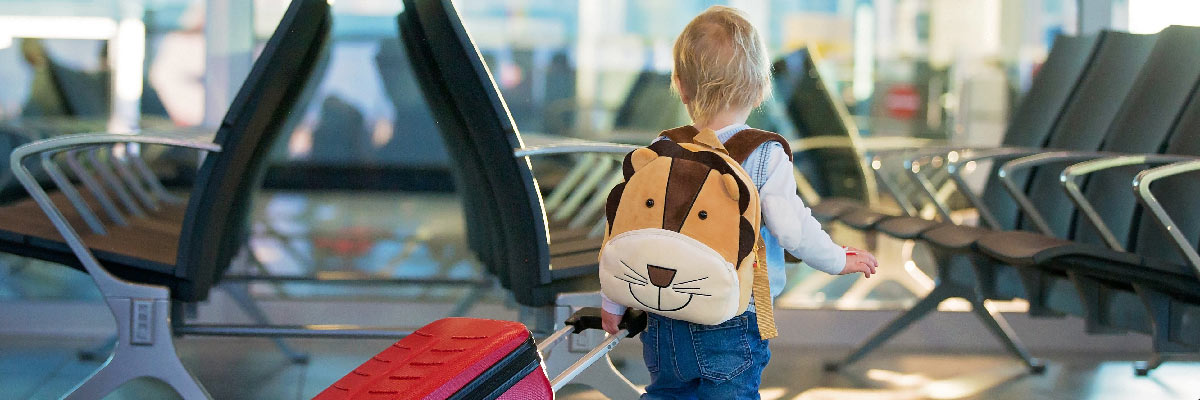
{"x": 721, "y": 72}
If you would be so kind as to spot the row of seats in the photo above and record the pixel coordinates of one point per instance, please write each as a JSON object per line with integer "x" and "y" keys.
{"x": 1059, "y": 223}
{"x": 148, "y": 251}
{"x": 152, "y": 253}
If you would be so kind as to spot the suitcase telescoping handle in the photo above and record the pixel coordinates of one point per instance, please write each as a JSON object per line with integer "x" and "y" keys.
{"x": 632, "y": 323}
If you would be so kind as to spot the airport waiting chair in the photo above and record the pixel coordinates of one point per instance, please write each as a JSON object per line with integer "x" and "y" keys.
{"x": 476, "y": 126}
{"x": 1081, "y": 125}
{"x": 814, "y": 110}
{"x": 162, "y": 252}
{"x": 1115, "y": 70}
{"x": 1115, "y": 284}
{"x": 1142, "y": 123}
{"x": 1029, "y": 128}
{"x": 1031, "y": 123}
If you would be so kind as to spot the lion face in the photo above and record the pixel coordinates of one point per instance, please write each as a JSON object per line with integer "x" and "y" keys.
{"x": 678, "y": 232}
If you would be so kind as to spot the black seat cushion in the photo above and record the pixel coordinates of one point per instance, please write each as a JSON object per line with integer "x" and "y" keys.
{"x": 569, "y": 234}
{"x": 1031, "y": 249}
{"x": 582, "y": 264}
{"x": 906, "y": 227}
{"x": 954, "y": 237}
{"x": 831, "y": 208}
{"x": 149, "y": 242}
{"x": 1021, "y": 248}
{"x": 863, "y": 218}
{"x": 1123, "y": 268}
{"x": 573, "y": 246}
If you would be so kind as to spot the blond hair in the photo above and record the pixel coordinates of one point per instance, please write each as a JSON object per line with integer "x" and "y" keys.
{"x": 721, "y": 63}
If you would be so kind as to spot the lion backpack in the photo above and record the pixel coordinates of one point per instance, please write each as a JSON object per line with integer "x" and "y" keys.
{"x": 682, "y": 237}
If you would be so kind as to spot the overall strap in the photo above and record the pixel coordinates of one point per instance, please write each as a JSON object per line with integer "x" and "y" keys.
{"x": 743, "y": 143}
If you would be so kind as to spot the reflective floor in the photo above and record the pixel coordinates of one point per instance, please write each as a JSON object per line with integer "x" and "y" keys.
{"x": 38, "y": 368}
{"x": 388, "y": 235}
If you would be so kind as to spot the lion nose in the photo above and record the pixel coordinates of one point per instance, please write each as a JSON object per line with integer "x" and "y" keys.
{"x": 660, "y": 276}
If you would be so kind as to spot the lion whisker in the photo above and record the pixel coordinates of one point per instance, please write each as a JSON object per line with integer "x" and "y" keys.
{"x": 634, "y": 271}
{"x": 693, "y": 280}
{"x": 631, "y": 282}
{"x": 636, "y": 279}
{"x": 694, "y": 294}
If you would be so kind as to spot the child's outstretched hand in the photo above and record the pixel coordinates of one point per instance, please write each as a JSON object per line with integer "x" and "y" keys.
{"x": 859, "y": 261}
{"x": 610, "y": 321}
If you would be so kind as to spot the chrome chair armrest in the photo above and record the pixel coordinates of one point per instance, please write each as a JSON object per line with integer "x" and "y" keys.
{"x": 585, "y": 178}
{"x": 1141, "y": 186}
{"x": 873, "y": 144}
{"x": 956, "y": 168}
{"x": 574, "y": 147}
{"x": 1070, "y": 182}
{"x": 1026, "y": 205}
{"x": 108, "y": 283}
{"x": 915, "y": 163}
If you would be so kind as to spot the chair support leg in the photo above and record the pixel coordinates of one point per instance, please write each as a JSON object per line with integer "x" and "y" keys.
{"x": 1000, "y": 328}
{"x": 1158, "y": 305}
{"x": 468, "y": 302}
{"x": 240, "y": 292}
{"x": 1143, "y": 368}
{"x": 98, "y": 352}
{"x": 145, "y": 352}
{"x": 929, "y": 303}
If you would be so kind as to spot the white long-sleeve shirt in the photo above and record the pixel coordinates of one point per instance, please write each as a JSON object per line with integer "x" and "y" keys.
{"x": 787, "y": 223}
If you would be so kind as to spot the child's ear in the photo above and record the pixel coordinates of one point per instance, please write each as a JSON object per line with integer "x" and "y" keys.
{"x": 731, "y": 186}
{"x": 684, "y": 96}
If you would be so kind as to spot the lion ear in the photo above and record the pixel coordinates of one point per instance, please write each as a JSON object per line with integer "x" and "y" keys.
{"x": 731, "y": 186}
{"x": 641, "y": 157}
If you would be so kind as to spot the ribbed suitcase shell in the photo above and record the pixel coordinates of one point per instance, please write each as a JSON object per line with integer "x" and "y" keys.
{"x": 459, "y": 358}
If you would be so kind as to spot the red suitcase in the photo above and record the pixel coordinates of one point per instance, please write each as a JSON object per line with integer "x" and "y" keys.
{"x": 452, "y": 358}
{"x": 468, "y": 358}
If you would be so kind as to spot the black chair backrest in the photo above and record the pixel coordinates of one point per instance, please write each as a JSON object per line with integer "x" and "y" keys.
{"x": 481, "y": 214}
{"x": 1053, "y": 88}
{"x": 217, "y": 219}
{"x": 650, "y": 105}
{"x": 815, "y": 112}
{"x": 515, "y": 193}
{"x": 84, "y": 94}
{"x": 1146, "y": 120}
{"x": 1115, "y": 69}
{"x": 1177, "y": 194}
{"x": 413, "y": 140}
{"x": 471, "y": 88}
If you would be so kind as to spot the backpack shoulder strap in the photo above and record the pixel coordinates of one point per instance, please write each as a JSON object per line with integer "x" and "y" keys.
{"x": 683, "y": 134}
{"x": 745, "y": 142}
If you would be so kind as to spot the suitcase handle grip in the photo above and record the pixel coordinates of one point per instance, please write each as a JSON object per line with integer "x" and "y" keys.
{"x": 634, "y": 321}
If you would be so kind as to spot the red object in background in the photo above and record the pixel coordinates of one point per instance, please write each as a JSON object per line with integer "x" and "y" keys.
{"x": 451, "y": 358}
{"x": 902, "y": 101}
{"x": 350, "y": 242}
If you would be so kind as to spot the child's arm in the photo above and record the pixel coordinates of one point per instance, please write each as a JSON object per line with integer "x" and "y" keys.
{"x": 610, "y": 314}
{"x": 785, "y": 214}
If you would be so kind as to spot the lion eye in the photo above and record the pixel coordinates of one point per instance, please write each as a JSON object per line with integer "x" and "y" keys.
{"x": 703, "y": 214}
{"x": 649, "y": 203}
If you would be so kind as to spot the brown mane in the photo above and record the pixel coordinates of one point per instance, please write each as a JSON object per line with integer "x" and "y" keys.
{"x": 690, "y": 167}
